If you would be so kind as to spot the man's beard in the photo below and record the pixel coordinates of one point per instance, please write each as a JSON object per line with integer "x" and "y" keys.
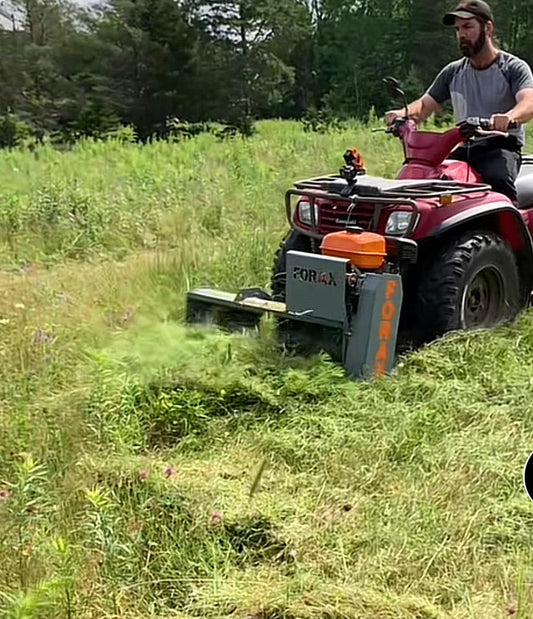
{"x": 472, "y": 49}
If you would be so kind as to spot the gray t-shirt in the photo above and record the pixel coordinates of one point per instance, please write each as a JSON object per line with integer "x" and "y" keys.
{"x": 483, "y": 92}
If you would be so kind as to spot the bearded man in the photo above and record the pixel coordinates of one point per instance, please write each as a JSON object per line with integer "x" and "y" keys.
{"x": 488, "y": 83}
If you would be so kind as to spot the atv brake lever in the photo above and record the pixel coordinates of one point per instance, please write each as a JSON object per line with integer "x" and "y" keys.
{"x": 492, "y": 133}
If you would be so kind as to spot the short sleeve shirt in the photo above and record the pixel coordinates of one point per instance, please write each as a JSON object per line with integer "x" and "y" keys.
{"x": 483, "y": 92}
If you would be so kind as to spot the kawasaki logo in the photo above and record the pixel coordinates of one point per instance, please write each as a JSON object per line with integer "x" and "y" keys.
{"x": 312, "y": 276}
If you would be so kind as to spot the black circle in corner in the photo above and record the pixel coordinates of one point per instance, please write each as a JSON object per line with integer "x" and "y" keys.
{"x": 528, "y": 477}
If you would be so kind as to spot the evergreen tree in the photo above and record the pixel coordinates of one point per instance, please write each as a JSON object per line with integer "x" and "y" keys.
{"x": 76, "y": 72}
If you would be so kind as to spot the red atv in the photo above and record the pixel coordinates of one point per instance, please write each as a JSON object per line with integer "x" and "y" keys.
{"x": 464, "y": 252}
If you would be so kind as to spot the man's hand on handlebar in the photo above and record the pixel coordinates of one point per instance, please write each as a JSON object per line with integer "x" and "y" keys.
{"x": 484, "y": 127}
{"x": 501, "y": 122}
{"x": 393, "y": 115}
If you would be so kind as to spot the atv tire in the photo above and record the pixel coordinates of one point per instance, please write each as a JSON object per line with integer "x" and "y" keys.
{"x": 294, "y": 241}
{"x": 472, "y": 283}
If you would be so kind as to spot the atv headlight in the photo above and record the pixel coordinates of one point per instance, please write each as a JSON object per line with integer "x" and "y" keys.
{"x": 399, "y": 222}
{"x": 304, "y": 213}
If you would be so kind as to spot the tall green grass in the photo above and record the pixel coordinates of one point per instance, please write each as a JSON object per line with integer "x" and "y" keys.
{"x": 109, "y": 199}
{"x": 152, "y": 470}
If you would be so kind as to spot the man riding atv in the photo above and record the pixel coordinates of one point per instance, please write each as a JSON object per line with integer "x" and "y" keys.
{"x": 487, "y": 83}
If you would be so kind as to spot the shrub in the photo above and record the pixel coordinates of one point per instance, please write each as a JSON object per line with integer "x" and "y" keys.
{"x": 321, "y": 121}
{"x": 13, "y": 131}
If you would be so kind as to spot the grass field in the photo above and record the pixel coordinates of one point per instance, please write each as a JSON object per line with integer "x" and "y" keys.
{"x": 130, "y": 445}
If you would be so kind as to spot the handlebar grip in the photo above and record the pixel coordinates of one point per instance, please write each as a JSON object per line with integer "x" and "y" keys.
{"x": 485, "y": 124}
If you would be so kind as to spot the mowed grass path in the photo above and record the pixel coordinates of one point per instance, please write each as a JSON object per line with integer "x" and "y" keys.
{"x": 130, "y": 445}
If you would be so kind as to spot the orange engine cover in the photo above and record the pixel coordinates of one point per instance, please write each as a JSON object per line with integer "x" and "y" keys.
{"x": 365, "y": 250}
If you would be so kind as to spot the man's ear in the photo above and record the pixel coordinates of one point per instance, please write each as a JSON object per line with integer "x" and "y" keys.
{"x": 489, "y": 28}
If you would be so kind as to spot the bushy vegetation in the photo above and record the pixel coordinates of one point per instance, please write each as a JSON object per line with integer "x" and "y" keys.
{"x": 152, "y": 470}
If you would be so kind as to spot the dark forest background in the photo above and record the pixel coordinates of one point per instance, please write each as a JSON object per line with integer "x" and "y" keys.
{"x": 153, "y": 65}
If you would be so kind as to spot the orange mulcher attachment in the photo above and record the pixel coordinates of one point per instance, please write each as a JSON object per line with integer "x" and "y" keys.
{"x": 364, "y": 250}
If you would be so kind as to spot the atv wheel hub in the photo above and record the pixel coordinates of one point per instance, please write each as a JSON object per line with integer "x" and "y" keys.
{"x": 483, "y": 299}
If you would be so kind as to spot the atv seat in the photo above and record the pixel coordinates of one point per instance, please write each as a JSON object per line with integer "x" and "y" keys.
{"x": 524, "y": 183}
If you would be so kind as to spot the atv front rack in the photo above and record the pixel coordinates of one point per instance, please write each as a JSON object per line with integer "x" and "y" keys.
{"x": 379, "y": 192}
{"x": 374, "y": 186}
{"x": 379, "y": 205}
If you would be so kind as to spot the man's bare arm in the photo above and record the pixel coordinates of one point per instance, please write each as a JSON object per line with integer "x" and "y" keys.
{"x": 419, "y": 110}
{"x": 522, "y": 112}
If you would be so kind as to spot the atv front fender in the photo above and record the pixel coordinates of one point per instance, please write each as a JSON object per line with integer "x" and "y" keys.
{"x": 503, "y": 219}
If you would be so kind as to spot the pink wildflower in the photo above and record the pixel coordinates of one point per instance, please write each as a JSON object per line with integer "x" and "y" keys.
{"x": 4, "y": 494}
{"x": 169, "y": 471}
{"x": 143, "y": 475}
{"x": 216, "y": 518}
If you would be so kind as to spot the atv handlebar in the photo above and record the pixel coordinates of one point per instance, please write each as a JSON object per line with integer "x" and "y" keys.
{"x": 484, "y": 124}
{"x": 433, "y": 147}
{"x": 482, "y": 127}
{"x": 471, "y": 127}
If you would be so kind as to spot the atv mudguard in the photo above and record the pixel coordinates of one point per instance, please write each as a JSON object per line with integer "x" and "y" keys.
{"x": 504, "y": 219}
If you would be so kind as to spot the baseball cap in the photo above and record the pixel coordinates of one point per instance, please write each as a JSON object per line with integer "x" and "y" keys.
{"x": 469, "y": 9}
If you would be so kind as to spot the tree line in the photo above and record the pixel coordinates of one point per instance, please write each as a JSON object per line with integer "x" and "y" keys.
{"x": 69, "y": 71}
